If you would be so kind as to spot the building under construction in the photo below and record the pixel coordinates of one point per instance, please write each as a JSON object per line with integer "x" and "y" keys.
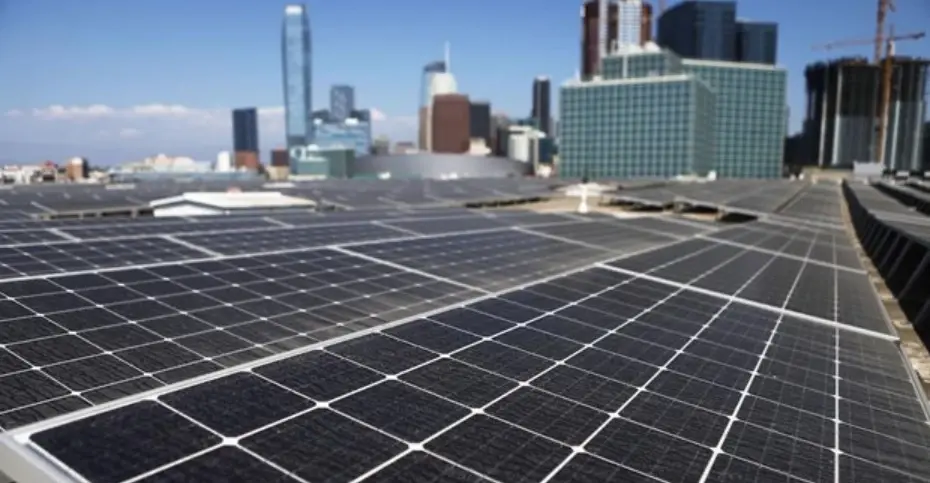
{"x": 842, "y": 115}
{"x": 907, "y": 114}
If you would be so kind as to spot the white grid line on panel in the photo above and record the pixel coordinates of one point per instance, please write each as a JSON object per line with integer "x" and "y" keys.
{"x": 20, "y": 436}
{"x": 642, "y": 388}
{"x": 778, "y": 253}
{"x": 63, "y": 234}
{"x": 752, "y": 303}
{"x": 404, "y": 268}
{"x": 530, "y": 231}
{"x": 108, "y": 235}
{"x": 718, "y": 449}
{"x": 275, "y": 221}
{"x": 192, "y": 246}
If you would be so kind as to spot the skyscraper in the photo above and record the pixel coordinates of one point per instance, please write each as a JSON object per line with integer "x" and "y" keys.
{"x": 590, "y": 52}
{"x": 756, "y": 42}
{"x": 439, "y": 81}
{"x": 245, "y": 129}
{"x": 297, "y": 69}
{"x": 700, "y": 30}
{"x": 451, "y": 123}
{"x": 435, "y": 67}
{"x": 341, "y": 102}
{"x": 542, "y": 91}
{"x": 645, "y": 24}
{"x": 479, "y": 118}
{"x": 429, "y": 71}
{"x": 629, "y": 23}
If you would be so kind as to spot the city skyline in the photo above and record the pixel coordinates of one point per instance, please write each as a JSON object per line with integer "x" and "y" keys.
{"x": 88, "y": 113}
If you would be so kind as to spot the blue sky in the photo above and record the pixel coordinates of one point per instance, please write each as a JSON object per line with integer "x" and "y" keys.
{"x": 162, "y": 75}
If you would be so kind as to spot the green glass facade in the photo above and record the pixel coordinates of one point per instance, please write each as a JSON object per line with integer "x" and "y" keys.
{"x": 655, "y": 114}
{"x": 751, "y": 120}
{"x": 326, "y": 163}
{"x": 631, "y": 128}
{"x": 647, "y": 64}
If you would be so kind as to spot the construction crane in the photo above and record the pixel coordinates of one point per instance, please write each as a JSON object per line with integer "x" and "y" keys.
{"x": 884, "y": 6}
{"x": 886, "y": 65}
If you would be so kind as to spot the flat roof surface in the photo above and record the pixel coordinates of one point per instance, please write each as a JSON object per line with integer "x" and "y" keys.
{"x": 425, "y": 340}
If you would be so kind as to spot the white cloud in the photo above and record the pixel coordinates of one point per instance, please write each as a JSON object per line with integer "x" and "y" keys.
{"x": 157, "y": 127}
{"x": 377, "y": 115}
{"x": 58, "y": 111}
{"x": 271, "y": 111}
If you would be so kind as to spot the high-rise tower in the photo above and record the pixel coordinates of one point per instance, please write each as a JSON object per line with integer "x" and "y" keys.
{"x": 341, "y": 102}
{"x": 702, "y": 29}
{"x": 542, "y": 92}
{"x": 629, "y": 23}
{"x": 590, "y": 35}
{"x": 245, "y": 129}
{"x": 297, "y": 69}
{"x": 429, "y": 70}
{"x": 438, "y": 80}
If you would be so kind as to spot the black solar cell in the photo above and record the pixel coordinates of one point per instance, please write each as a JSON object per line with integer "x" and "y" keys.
{"x": 751, "y": 353}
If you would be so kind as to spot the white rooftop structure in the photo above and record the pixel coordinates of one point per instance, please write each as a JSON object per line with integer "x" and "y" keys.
{"x": 201, "y": 203}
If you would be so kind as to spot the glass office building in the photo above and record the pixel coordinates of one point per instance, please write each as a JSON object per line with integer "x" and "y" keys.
{"x": 245, "y": 129}
{"x": 700, "y": 30}
{"x": 756, "y": 42}
{"x": 655, "y": 114}
{"x": 750, "y": 125}
{"x": 641, "y": 64}
{"x": 341, "y": 102}
{"x": 637, "y": 127}
{"x": 316, "y": 162}
{"x": 297, "y": 70}
{"x": 351, "y": 134}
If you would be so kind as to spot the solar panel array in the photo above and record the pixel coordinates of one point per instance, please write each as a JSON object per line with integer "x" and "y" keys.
{"x": 449, "y": 345}
{"x": 800, "y": 202}
{"x": 22, "y": 202}
{"x": 911, "y": 195}
{"x": 898, "y": 241}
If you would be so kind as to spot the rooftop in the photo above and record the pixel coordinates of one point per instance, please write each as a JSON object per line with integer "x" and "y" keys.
{"x": 409, "y": 335}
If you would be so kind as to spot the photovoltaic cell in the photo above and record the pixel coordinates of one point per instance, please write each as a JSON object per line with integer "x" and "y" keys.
{"x": 574, "y": 397}
{"x": 292, "y": 238}
{"x": 610, "y": 236}
{"x": 595, "y": 376}
{"x": 27, "y": 260}
{"x": 491, "y": 261}
{"x": 70, "y": 348}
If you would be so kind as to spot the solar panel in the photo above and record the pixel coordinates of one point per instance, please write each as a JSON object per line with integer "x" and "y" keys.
{"x": 89, "y": 339}
{"x": 756, "y": 352}
{"x": 291, "y": 238}
{"x": 681, "y": 401}
{"x": 818, "y": 246}
{"x": 168, "y": 227}
{"x": 23, "y": 237}
{"x": 440, "y": 226}
{"x": 29, "y": 260}
{"x": 610, "y": 236}
{"x": 491, "y": 261}
{"x": 768, "y": 278}
{"x": 667, "y": 225}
